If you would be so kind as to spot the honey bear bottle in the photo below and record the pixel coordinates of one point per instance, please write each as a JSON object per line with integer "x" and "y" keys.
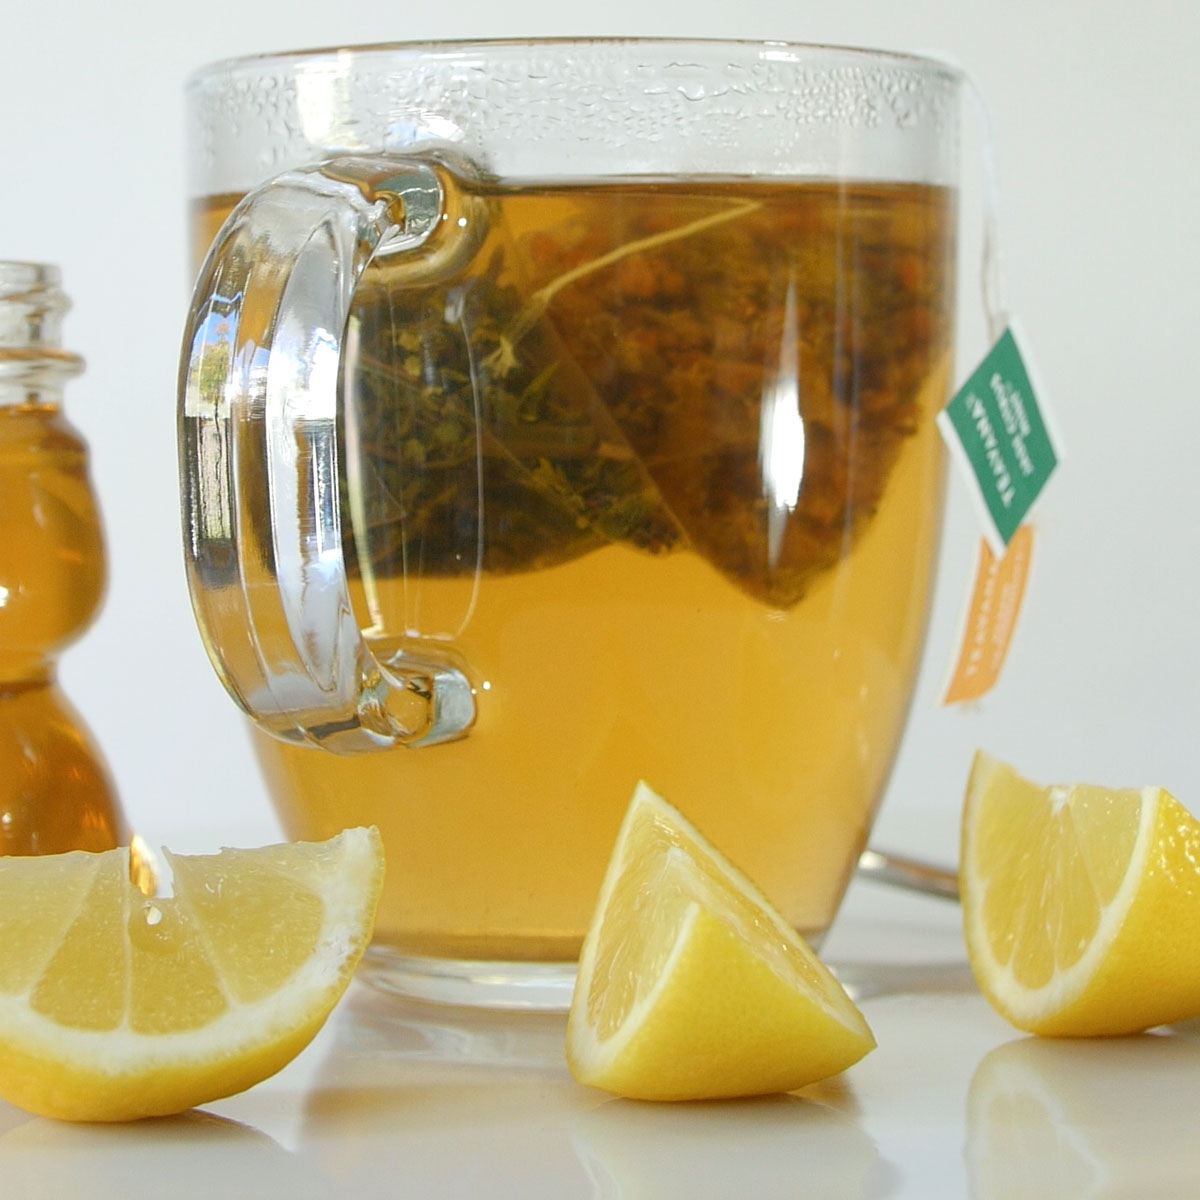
{"x": 55, "y": 791}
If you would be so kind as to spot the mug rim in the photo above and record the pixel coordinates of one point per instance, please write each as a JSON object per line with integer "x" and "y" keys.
{"x": 449, "y": 47}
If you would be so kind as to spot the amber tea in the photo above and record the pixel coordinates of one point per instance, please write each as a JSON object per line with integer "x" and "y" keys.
{"x": 658, "y": 464}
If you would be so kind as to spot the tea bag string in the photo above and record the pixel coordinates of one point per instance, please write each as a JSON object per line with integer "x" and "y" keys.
{"x": 991, "y": 282}
{"x": 537, "y": 304}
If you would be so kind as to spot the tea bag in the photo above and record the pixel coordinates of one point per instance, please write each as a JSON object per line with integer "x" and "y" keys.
{"x": 729, "y": 369}
{"x": 762, "y": 353}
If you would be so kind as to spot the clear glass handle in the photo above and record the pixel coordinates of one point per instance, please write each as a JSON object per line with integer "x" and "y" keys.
{"x": 258, "y": 415}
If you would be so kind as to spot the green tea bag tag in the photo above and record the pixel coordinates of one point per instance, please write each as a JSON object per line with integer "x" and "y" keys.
{"x": 999, "y": 434}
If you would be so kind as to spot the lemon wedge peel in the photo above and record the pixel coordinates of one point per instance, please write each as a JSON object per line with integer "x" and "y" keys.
{"x": 699, "y": 990}
{"x": 1081, "y": 914}
{"x": 113, "y": 1071}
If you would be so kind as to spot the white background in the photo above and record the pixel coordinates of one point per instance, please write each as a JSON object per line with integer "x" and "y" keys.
{"x": 1094, "y": 106}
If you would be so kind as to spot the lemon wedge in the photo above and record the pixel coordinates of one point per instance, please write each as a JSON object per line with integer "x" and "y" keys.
{"x": 691, "y": 986}
{"x": 1081, "y": 904}
{"x": 115, "y": 1005}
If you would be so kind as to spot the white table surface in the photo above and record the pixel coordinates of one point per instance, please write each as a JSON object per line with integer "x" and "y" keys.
{"x": 399, "y": 1100}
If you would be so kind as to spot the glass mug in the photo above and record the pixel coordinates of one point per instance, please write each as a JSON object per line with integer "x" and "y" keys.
{"x": 555, "y": 415}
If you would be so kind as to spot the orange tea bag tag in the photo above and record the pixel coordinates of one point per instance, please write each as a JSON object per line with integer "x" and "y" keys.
{"x": 991, "y": 618}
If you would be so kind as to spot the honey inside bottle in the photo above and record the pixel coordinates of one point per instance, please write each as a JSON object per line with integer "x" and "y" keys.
{"x": 55, "y": 790}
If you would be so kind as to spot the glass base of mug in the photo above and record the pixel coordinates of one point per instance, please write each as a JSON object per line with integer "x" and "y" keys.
{"x": 541, "y": 986}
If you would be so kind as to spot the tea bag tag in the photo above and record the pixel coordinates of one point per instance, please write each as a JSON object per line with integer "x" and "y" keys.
{"x": 1000, "y": 437}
